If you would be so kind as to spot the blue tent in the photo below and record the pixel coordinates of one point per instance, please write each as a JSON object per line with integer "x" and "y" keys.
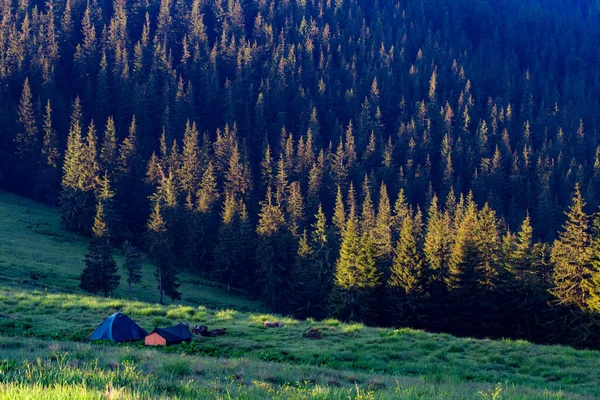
{"x": 119, "y": 328}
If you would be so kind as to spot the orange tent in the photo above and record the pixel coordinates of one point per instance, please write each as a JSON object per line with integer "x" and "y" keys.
{"x": 167, "y": 336}
{"x": 154, "y": 339}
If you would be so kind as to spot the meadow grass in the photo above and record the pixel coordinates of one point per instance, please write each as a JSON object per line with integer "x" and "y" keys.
{"x": 45, "y": 320}
{"x": 42, "y": 369}
{"x": 36, "y": 249}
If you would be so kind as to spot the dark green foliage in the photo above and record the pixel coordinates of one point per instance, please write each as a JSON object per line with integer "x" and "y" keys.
{"x": 160, "y": 247}
{"x": 132, "y": 264}
{"x": 312, "y": 274}
{"x": 574, "y": 273}
{"x": 49, "y": 176}
{"x": 356, "y": 276}
{"x": 274, "y": 254}
{"x": 100, "y": 274}
{"x": 226, "y": 254}
{"x": 361, "y": 113}
{"x": 27, "y": 141}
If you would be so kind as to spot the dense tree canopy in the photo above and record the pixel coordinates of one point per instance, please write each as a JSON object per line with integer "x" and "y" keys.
{"x": 370, "y": 160}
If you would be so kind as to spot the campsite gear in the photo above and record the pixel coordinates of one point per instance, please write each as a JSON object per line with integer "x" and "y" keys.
{"x": 269, "y": 324}
{"x": 218, "y": 332}
{"x": 313, "y": 333}
{"x": 119, "y": 328}
{"x": 167, "y": 336}
{"x": 202, "y": 330}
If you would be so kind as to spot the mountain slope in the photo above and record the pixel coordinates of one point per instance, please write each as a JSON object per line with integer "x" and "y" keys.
{"x": 43, "y": 316}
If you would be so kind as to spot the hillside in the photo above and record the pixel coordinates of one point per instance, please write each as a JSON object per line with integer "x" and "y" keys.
{"x": 433, "y": 164}
{"x": 36, "y": 250}
{"x": 45, "y": 319}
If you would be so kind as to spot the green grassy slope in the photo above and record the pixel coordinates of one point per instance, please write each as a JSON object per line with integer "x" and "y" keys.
{"x": 44, "y": 319}
{"x": 35, "y": 249}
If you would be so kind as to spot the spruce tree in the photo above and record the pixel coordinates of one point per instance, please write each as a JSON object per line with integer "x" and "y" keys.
{"x": 188, "y": 175}
{"x": 438, "y": 246}
{"x": 108, "y": 149}
{"x": 383, "y": 231}
{"x": 27, "y": 141}
{"x": 226, "y": 251}
{"x": 300, "y": 299}
{"x": 368, "y": 218}
{"x": 79, "y": 173}
{"x": 356, "y": 275}
{"x": 409, "y": 271}
{"x": 49, "y": 176}
{"x": 274, "y": 254}
{"x": 592, "y": 284}
{"x": 572, "y": 255}
{"x": 207, "y": 205}
{"x": 160, "y": 248}
{"x": 339, "y": 213}
{"x": 132, "y": 264}
{"x": 100, "y": 273}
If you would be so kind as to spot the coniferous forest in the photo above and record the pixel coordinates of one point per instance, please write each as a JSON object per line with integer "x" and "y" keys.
{"x": 423, "y": 163}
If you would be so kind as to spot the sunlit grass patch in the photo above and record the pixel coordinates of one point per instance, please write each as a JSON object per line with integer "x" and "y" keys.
{"x": 181, "y": 313}
{"x": 225, "y": 315}
{"x": 352, "y": 328}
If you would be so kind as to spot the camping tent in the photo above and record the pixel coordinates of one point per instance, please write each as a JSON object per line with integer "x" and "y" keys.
{"x": 119, "y": 328}
{"x": 167, "y": 336}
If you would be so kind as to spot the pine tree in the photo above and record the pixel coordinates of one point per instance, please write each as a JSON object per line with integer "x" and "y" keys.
{"x": 237, "y": 179}
{"x": 409, "y": 272}
{"x": 295, "y": 209}
{"x": 301, "y": 284}
{"x": 339, "y": 213}
{"x": 132, "y": 264}
{"x": 160, "y": 247}
{"x": 267, "y": 173}
{"x": 130, "y": 193}
{"x": 88, "y": 170}
{"x": 274, "y": 253}
{"x": 522, "y": 256}
{"x": 77, "y": 197}
{"x": 246, "y": 250}
{"x": 226, "y": 252}
{"x": 27, "y": 140}
{"x": 108, "y": 149}
{"x": 571, "y": 255}
{"x": 311, "y": 277}
{"x": 401, "y": 210}
{"x": 592, "y": 284}
{"x": 49, "y": 176}
{"x": 188, "y": 175}
{"x": 438, "y": 246}
{"x": 356, "y": 276}
{"x": 383, "y": 230}
{"x": 408, "y": 282}
{"x": 100, "y": 273}
{"x": 489, "y": 247}
{"x": 368, "y": 209}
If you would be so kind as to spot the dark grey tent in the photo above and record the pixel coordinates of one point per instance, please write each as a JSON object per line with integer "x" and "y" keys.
{"x": 167, "y": 336}
{"x": 119, "y": 328}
